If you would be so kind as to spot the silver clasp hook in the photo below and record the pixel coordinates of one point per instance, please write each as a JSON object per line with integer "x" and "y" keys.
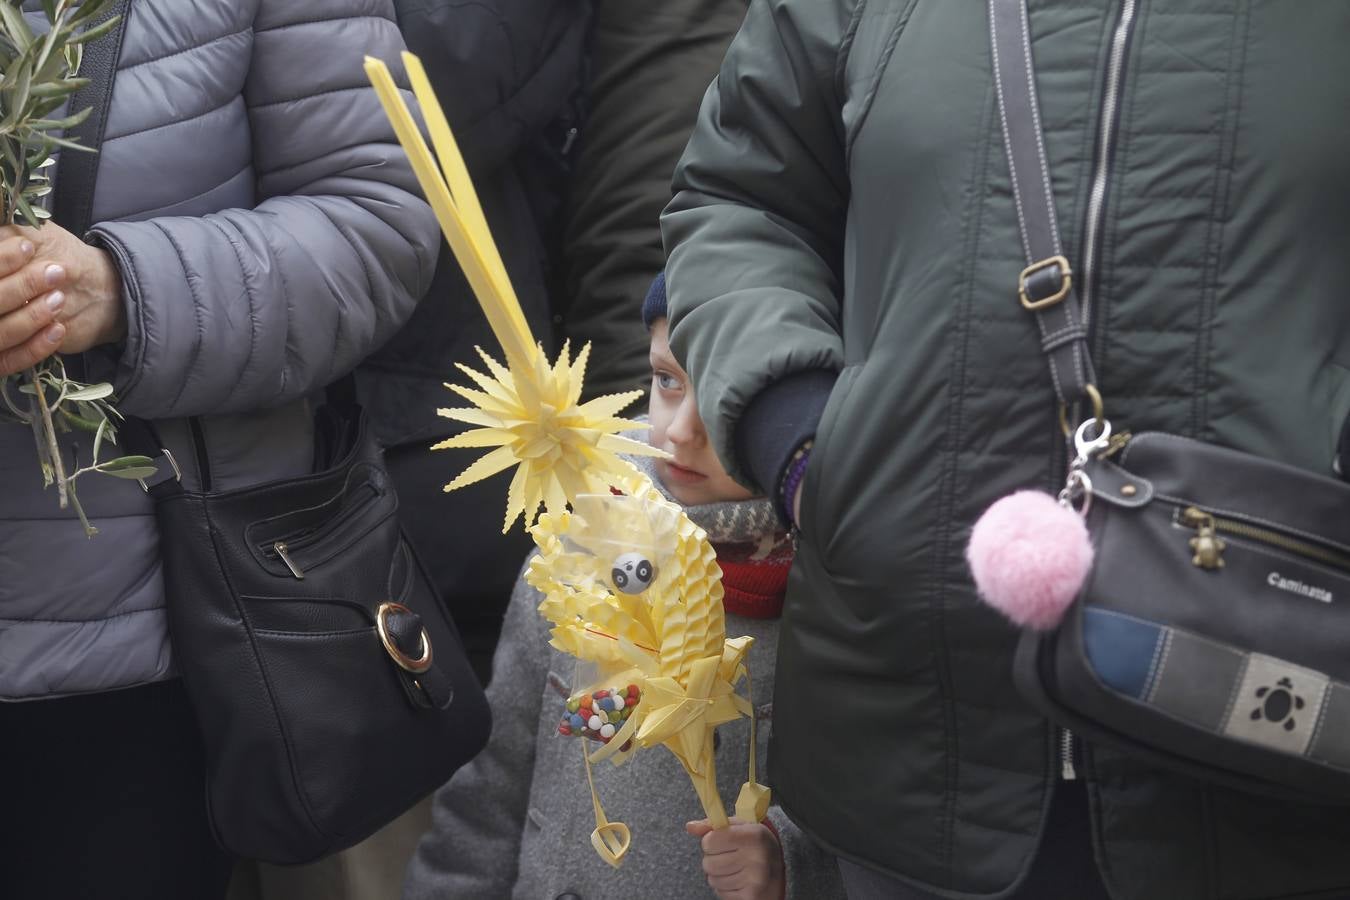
{"x": 1077, "y": 492}
{"x": 1088, "y": 448}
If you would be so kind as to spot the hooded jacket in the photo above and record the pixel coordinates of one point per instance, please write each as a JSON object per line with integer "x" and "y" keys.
{"x": 844, "y": 212}
{"x": 269, "y": 234}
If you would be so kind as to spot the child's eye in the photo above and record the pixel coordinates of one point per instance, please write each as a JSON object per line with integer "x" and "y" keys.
{"x": 667, "y": 382}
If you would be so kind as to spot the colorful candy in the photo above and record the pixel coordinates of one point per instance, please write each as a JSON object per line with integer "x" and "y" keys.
{"x": 599, "y": 715}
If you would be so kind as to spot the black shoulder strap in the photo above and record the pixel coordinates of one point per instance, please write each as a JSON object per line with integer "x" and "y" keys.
{"x": 1046, "y": 285}
{"x": 76, "y": 170}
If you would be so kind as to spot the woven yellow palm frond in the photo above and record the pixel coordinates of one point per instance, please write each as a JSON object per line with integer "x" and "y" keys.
{"x": 631, "y": 585}
{"x": 575, "y": 571}
{"x": 686, "y": 607}
{"x": 694, "y": 627}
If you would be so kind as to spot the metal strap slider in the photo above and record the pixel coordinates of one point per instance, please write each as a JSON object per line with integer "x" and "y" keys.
{"x": 1046, "y": 265}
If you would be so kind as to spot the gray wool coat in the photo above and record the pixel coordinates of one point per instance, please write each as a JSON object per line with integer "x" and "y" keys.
{"x": 269, "y": 234}
{"x": 516, "y": 822}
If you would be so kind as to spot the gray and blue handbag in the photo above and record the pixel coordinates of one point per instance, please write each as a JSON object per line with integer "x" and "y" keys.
{"x": 1212, "y": 634}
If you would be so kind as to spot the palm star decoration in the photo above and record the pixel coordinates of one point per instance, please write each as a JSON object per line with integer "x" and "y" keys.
{"x": 561, "y": 448}
{"x": 528, "y": 410}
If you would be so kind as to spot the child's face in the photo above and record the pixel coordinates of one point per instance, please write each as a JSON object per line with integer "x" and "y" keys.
{"x": 695, "y": 475}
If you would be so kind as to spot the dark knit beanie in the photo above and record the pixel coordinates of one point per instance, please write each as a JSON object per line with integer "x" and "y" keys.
{"x": 654, "y": 306}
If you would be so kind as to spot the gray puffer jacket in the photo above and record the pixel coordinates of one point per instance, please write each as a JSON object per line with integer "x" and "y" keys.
{"x": 270, "y": 235}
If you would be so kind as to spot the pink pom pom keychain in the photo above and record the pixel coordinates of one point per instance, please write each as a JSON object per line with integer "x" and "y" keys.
{"x": 1030, "y": 553}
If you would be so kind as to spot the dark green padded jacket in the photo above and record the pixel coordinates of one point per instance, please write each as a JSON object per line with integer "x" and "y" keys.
{"x": 844, "y": 206}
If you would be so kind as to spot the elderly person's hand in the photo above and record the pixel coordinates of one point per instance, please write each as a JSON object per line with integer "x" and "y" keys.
{"x": 57, "y": 293}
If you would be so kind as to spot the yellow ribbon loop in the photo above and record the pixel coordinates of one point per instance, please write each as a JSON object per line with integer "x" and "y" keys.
{"x": 611, "y": 840}
{"x": 752, "y": 804}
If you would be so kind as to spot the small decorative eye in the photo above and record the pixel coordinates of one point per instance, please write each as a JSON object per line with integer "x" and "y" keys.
{"x": 632, "y": 573}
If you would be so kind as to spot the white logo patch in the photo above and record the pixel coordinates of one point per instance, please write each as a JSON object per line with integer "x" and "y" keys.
{"x": 1276, "y": 580}
{"x": 1277, "y": 704}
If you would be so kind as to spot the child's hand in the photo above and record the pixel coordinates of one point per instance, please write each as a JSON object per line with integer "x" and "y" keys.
{"x": 743, "y": 862}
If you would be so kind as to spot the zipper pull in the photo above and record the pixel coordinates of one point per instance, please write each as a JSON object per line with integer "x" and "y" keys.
{"x": 1116, "y": 444}
{"x": 1207, "y": 544}
{"x": 280, "y": 547}
{"x": 568, "y": 140}
{"x": 1067, "y": 771}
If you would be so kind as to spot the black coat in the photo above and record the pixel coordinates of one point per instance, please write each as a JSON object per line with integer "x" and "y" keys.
{"x": 509, "y": 75}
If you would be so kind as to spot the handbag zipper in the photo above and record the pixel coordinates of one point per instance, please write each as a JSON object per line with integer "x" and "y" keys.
{"x": 1209, "y": 547}
{"x": 284, "y": 552}
{"x": 283, "y": 547}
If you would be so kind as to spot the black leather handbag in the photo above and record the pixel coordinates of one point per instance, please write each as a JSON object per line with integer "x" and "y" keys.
{"x": 327, "y": 678}
{"x": 1211, "y": 635}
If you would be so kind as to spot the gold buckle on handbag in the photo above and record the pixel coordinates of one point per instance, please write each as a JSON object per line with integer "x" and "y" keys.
{"x": 1057, "y": 296}
{"x": 405, "y": 662}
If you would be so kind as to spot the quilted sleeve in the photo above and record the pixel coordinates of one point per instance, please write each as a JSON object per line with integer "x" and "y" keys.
{"x": 244, "y": 309}
{"x": 755, "y": 231}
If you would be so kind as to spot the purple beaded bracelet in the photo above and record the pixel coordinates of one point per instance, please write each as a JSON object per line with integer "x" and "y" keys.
{"x": 792, "y": 479}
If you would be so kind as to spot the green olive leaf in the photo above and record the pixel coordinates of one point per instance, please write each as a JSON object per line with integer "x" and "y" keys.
{"x": 91, "y": 392}
{"x": 133, "y": 468}
{"x": 69, "y": 144}
{"x": 96, "y": 32}
{"x": 60, "y": 88}
{"x": 16, "y": 27}
{"x": 18, "y": 95}
{"x": 60, "y": 124}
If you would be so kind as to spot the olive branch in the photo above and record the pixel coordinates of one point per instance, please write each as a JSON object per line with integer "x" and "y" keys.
{"x": 40, "y": 75}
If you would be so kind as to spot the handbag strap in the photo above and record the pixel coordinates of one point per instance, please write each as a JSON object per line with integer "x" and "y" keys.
{"x": 76, "y": 171}
{"x": 1045, "y": 286}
